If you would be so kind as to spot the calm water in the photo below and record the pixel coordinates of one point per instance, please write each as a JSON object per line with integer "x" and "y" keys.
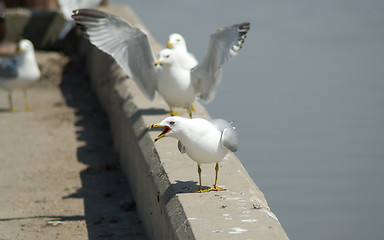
{"x": 307, "y": 95}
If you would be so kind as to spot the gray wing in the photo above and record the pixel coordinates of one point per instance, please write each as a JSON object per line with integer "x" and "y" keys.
{"x": 223, "y": 45}
{"x": 67, "y": 6}
{"x": 181, "y": 147}
{"x": 127, "y": 44}
{"x": 229, "y": 137}
{"x": 8, "y": 68}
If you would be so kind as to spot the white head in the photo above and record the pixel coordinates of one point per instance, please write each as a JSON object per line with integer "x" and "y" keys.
{"x": 172, "y": 126}
{"x": 166, "y": 56}
{"x": 25, "y": 46}
{"x": 175, "y": 40}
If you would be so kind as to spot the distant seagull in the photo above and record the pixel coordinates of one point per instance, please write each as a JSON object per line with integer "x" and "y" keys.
{"x": 205, "y": 141}
{"x": 177, "y": 43}
{"x": 67, "y": 6}
{"x": 19, "y": 71}
{"x": 130, "y": 47}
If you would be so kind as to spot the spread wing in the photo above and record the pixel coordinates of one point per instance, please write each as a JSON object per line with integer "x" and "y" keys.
{"x": 223, "y": 45}
{"x": 67, "y": 6}
{"x": 127, "y": 44}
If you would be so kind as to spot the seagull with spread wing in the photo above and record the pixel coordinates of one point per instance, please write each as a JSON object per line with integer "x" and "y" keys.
{"x": 130, "y": 47}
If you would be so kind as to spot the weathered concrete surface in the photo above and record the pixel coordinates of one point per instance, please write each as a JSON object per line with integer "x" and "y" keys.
{"x": 59, "y": 177}
{"x": 162, "y": 179}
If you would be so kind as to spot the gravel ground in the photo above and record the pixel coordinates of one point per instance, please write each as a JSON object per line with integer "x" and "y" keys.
{"x": 59, "y": 176}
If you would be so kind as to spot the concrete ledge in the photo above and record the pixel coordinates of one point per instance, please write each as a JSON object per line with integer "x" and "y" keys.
{"x": 162, "y": 179}
{"x": 42, "y": 27}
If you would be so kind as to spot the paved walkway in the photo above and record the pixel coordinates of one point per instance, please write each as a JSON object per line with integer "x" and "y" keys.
{"x": 59, "y": 178}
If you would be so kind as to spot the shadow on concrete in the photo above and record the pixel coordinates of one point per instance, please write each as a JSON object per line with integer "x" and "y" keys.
{"x": 56, "y": 218}
{"x": 186, "y": 186}
{"x": 139, "y": 113}
{"x": 149, "y": 111}
{"x": 110, "y": 211}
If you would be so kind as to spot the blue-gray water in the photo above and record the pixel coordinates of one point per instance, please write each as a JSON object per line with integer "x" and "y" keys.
{"x": 307, "y": 95}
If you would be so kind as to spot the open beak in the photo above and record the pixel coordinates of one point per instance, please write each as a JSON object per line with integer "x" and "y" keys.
{"x": 158, "y": 63}
{"x": 169, "y": 45}
{"x": 163, "y": 133}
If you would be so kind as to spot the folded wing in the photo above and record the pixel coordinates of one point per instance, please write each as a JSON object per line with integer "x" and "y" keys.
{"x": 8, "y": 68}
{"x": 229, "y": 137}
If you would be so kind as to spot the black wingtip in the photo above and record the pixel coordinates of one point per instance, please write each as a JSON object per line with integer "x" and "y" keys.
{"x": 244, "y": 27}
{"x": 89, "y": 12}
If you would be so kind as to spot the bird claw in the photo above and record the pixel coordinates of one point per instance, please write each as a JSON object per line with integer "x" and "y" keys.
{"x": 201, "y": 190}
{"x": 174, "y": 113}
{"x": 216, "y": 188}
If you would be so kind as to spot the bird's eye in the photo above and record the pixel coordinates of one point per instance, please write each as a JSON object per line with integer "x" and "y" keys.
{"x": 167, "y": 56}
{"x": 172, "y": 122}
{"x": 178, "y": 40}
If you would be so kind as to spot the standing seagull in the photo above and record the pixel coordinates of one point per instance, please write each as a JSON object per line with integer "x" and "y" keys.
{"x": 205, "y": 141}
{"x": 177, "y": 43}
{"x": 130, "y": 47}
{"x": 19, "y": 71}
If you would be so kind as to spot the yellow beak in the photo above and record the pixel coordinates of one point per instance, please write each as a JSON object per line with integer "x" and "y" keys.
{"x": 158, "y": 63}
{"x": 165, "y": 131}
{"x": 154, "y": 125}
{"x": 169, "y": 44}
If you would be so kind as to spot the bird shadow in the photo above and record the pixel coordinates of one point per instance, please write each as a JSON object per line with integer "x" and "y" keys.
{"x": 186, "y": 186}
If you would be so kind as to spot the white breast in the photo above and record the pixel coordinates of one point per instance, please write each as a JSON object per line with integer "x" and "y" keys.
{"x": 174, "y": 85}
{"x": 203, "y": 145}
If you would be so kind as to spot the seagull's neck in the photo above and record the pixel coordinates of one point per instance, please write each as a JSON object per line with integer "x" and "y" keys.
{"x": 29, "y": 69}
{"x": 172, "y": 65}
{"x": 182, "y": 49}
{"x": 27, "y": 58}
{"x": 176, "y": 70}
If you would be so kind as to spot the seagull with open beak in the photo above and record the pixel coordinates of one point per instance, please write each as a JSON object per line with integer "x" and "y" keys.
{"x": 204, "y": 141}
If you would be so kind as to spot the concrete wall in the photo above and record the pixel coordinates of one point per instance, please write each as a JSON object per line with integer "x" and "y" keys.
{"x": 161, "y": 178}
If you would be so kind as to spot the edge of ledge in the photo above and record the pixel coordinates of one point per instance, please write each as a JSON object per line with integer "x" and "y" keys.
{"x": 153, "y": 172}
